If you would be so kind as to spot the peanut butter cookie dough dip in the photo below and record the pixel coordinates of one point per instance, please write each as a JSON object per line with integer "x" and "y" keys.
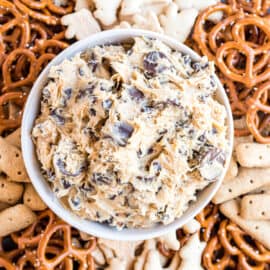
{"x": 128, "y": 133}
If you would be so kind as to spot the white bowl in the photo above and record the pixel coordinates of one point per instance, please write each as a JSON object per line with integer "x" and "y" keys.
{"x": 32, "y": 164}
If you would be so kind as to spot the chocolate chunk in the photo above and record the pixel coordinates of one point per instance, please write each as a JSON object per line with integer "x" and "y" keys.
{"x": 135, "y": 93}
{"x": 101, "y": 179}
{"x": 155, "y": 62}
{"x": 56, "y": 114}
{"x": 123, "y": 132}
{"x": 62, "y": 167}
{"x": 107, "y": 104}
{"x": 88, "y": 91}
{"x": 92, "y": 112}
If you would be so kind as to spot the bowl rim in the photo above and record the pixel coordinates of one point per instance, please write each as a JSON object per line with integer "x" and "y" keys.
{"x": 31, "y": 110}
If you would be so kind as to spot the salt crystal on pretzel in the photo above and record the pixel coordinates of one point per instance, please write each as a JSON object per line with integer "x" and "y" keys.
{"x": 171, "y": 20}
{"x": 259, "y": 230}
{"x": 80, "y": 24}
{"x": 256, "y": 207}
{"x": 246, "y": 181}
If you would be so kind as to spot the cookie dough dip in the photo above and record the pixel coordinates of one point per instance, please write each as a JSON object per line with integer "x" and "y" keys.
{"x": 129, "y": 133}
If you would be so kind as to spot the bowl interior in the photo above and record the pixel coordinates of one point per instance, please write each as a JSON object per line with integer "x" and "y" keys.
{"x": 31, "y": 111}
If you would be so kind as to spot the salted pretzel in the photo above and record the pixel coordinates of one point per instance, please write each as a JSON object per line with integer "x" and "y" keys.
{"x": 240, "y": 44}
{"x": 69, "y": 250}
{"x": 8, "y": 121}
{"x": 259, "y": 102}
{"x": 208, "y": 218}
{"x": 48, "y": 244}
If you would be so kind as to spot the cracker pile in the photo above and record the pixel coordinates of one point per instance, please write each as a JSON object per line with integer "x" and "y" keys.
{"x": 245, "y": 193}
{"x": 172, "y": 17}
{"x": 33, "y": 38}
{"x": 18, "y": 198}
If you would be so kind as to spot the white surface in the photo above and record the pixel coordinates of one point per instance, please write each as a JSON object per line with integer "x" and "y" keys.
{"x": 31, "y": 111}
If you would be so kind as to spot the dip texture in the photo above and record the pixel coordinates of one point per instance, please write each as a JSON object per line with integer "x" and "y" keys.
{"x": 129, "y": 133}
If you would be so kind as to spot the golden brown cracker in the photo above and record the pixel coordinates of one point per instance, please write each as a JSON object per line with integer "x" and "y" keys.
{"x": 11, "y": 162}
{"x": 232, "y": 171}
{"x": 10, "y": 192}
{"x": 16, "y": 218}
{"x": 258, "y": 229}
{"x": 253, "y": 155}
{"x": 32, "y": 199}
{"x": 256, "y": 207}
{"x": 14, "y": 138}
{"x": 248, "y": 179}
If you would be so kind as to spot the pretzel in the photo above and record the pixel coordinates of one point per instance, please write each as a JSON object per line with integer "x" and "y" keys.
{"x": 239, "y": 44}
{"x": 48, "y": 236}
{"x": 7, "y": 67}
{"x": 259, "y": 102}
{"x": 31, "y": 236}
{"x": 69, "y": 250}
{"x": 43, "y": 16}
{"x": 9, "y": 122}
{"x": 208, "y": 218}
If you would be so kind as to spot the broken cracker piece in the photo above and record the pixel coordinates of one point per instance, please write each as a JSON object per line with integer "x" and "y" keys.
{"x": 191, "y": 253}
{"x": 170, "y": 240}
{"x": 147, "y": 21}
{"x": 106, "y": 11}
{"x": 80, "y": 4}
{"x": 80, "y": 24}
{"x": 178, "y": 25}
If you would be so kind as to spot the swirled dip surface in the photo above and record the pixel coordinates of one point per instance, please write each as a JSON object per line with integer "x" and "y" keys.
{"x": 128, "y": 134}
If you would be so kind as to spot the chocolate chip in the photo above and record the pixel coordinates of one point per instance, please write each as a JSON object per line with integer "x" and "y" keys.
{"x": 123, "y": 132}
{"x": 154, "y": 63}
{"x": 93, "y": 112}
{"x": 101, "y": 179}
{"x": 107, "y": 104}
{"x": 56, "y": 114}
{"x": 135, "y": 93}
{"x": 62, "y": 167}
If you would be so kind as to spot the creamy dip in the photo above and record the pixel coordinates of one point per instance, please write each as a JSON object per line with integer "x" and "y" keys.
{"x": 129, "y": 133}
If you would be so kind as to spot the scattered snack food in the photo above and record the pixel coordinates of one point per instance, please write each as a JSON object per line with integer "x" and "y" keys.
{"x": 122, "y": 140}
{"x": 47, "y": 235}
{"x": 36, "y": 36}
{"x": 239, "y": 45}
